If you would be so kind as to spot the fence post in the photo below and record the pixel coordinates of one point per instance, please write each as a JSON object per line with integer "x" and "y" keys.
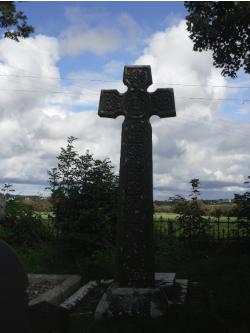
{"x": 161, "y": 221}
{"x": 170, "y": 228}
{"x": 218, "y": 228}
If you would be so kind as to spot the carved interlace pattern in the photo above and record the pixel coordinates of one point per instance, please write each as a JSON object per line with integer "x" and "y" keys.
{"x": 135, "y": 225}
{"x": 137, "y": 77}
{"x": 110, "y": 104}
{"x": 137, "y": 104}
{"x": 162, "y": 101}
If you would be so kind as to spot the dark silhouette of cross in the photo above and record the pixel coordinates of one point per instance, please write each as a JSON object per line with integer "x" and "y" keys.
{"x": 135, "y": 255}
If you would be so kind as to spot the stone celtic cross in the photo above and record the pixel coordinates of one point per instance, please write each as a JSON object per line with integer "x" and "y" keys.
{"x": 135, "y": 255}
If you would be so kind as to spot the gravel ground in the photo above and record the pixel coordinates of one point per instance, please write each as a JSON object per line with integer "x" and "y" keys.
{"x": 37, "y": 288}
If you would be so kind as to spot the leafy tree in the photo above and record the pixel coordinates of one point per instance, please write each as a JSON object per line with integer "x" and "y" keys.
{"x": 224, "y": 28}
{"x": 84, "y": 192}
{"x": 243, "y": 204}
{"x": 195, "y": 183}
{"x": 178, "y": 202}
{"x": 190, "y": 219}
{"x": 7, "y": 191}
{"x": 20, "y": 225}
{"x": 13, "y": 22}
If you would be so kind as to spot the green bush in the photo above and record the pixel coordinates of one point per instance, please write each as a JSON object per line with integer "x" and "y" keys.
{"x": 242, "y": 205}
{"x": 84, "y": 195}
{"x": 21, "y": 226}
{"x": 191, "y": 212}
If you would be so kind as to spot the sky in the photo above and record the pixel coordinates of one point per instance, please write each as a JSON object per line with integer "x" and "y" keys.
{"x": 50, "y": 85}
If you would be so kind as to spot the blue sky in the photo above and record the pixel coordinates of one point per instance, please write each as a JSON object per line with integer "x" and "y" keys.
{"x": 50, "y": 86}
{"x": 51, "y": 18}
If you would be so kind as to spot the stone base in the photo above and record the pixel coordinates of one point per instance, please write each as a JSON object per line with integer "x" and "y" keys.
{"x": 132, "y": 302}
{"x": 143, "y": 302}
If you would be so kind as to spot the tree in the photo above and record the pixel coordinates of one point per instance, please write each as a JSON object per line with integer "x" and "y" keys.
{"x": 84, "y": 193}
{"x": 190, "y": 219}
{"x": 13, "y": 22}
{"x": 224, "y": 28}
{"x": 195, "y": 183}
{"x": 243, "y": 204}
{"x": 20, "y": 224}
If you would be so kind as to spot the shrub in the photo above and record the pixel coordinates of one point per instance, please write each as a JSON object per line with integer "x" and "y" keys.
{"x": 191, "y": 221}
{"x": 84, "y": 193}
{"x": 21, "y": 226}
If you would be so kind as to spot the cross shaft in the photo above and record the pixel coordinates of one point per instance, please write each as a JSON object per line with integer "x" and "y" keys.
{"x": 135, "y": 257}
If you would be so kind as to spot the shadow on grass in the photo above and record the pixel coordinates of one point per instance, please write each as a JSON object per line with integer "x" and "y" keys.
{"x": 181, "y": 323}
{"x": 222, "y": 270}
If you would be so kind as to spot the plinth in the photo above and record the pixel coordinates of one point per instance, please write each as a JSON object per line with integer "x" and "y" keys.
{"x": 152, "y": 303}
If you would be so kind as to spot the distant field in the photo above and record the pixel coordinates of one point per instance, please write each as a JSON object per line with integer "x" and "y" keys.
{"x": 173, "y": 216}
{"x": 165, "y": 216}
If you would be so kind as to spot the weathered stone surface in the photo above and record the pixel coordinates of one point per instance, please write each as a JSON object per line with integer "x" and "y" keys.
{"x": 165, "y": 279}
{"x": 181, "y": 295}
{"x": 78, "y": 296}
{"x": 65, "y": 285}
{"x": 132, "y": 302}
{"x": 13, "y": 297}
{"x": 135, "y": 257}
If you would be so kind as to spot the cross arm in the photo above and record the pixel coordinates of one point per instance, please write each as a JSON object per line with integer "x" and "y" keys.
{"x": 110, "y": 105}
{"x": 162, "y": 103}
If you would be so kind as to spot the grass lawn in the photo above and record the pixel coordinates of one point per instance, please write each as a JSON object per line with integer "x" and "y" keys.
{"x": 173, "y": 216}
{"x": 165, "y": 216}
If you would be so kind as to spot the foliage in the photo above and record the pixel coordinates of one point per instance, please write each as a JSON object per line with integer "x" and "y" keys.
{"x": 7, "y": 191}
{"x": 227, "y": 210}
{"x": 21, "y": 226}
{"x": 224, "y": 28}
{"x": 242, "y": 202}
{"x": 38, "y": 204}
{"x": 13, "y": 22}
{"x": 190, "y": 219}
{"x": 84, "y": 192}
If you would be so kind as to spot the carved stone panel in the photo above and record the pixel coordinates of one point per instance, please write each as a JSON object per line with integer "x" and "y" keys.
{"x": 137, "y": 77}
{"x": 135, "y": 262}
{"x": 162, "y": 102}
{"x": 110, "y": 105}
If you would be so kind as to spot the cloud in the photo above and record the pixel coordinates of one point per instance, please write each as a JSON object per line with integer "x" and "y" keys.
{"x": 131, "y": 28}
{"x": 38, "y": 114}
{"x": 99, "y": 41}
{"x": 35, "y": 121}
{"x": 200, "y": 142}
{"x": 91, "y": 31}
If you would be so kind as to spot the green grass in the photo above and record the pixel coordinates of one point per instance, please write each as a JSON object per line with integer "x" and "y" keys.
{"x": 165, "y": 216}
{"x": 45, "y": 259}
{"x": 224, "y": 228}
{"x": 172, "y": 323}
{"x": 173, "y": 216}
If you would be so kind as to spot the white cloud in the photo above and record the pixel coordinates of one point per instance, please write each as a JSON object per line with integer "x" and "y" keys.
{"x": 131, "y": 28}
{"x": 200, "y": 142}
{"x": 92, "y": 31}
{"x": 75, "y": 41}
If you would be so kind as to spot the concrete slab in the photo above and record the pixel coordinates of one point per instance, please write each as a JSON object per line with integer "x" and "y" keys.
{"x": 165, "y": 279}
{"x": 180, "y": 293}
{"x": 132, "y": 302}
{"x": 66, "y": 286}
{"x": 79, "y": 295}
